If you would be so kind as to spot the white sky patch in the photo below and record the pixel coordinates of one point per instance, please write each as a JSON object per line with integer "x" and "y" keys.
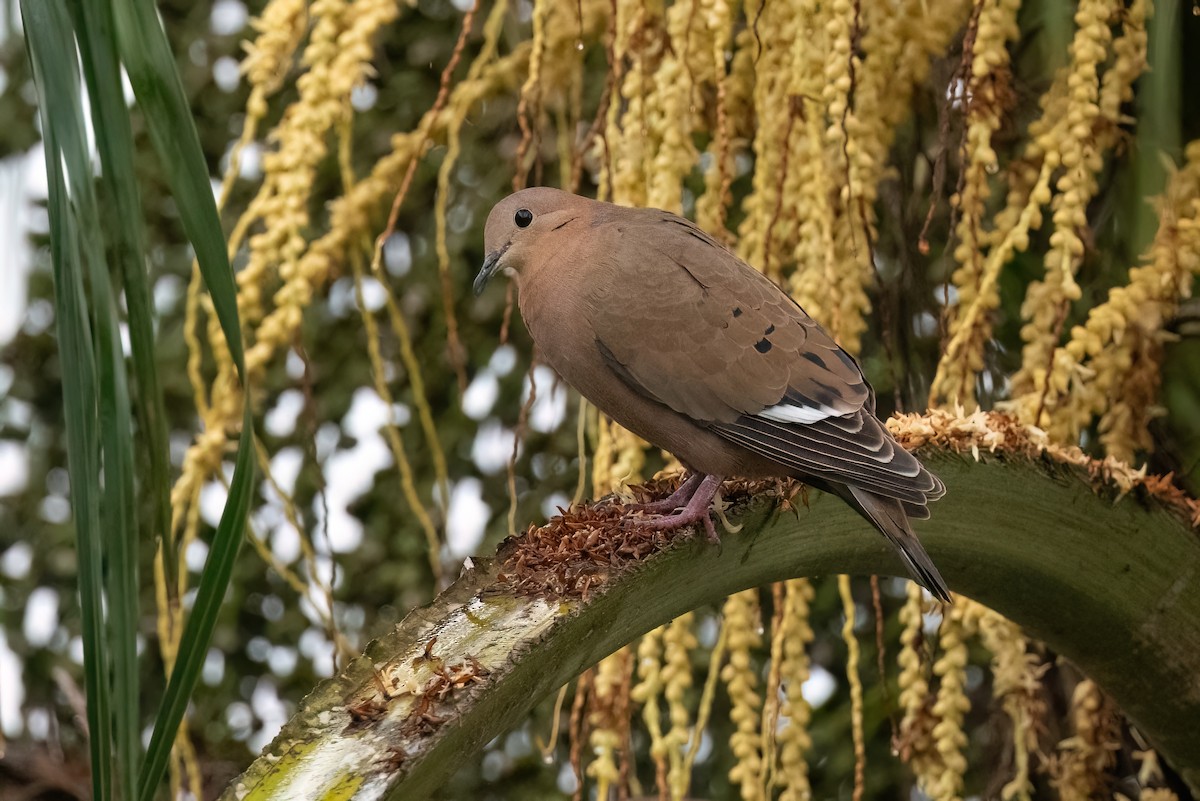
{"x": 41, "y": 616}
{"x": 294, "y": 365}
{"x": 364, "y": 96}
{"x": 467, "y": 518}
{"x": 349, "y": 473}
{"x": 22, "y": 181}
{"x": 214, "y": 667}
{"x": 341, "y": 297}
{"x": 925, "y": 324}
{"x": 397, "y": 254}
{"x": 177, "y": 444}
{"x": 374, "y": 295}
{"x": 946, "y": 294}
{"x": 285, "y": 468}
{"x": 286, "y": 542}
{"x": 492, "y": 447}
{"x": 212, "y": 502}
{"x": 316, "y": 648}
{"x": 329, "y": 573}
{"x": 228, "y": 17}
{"x": 503, "y": 360}
{"x": 196, "y": 555}
{"x": 550, "y": 406}
{"x": 401, "y": 414}
{"x": 481, "y": 395}
{"x": 16, "y": 561}
{"x": 329, "y": 434}
{"x": 14, "y": 467}
{"x": 270, "y": 709}
{"x": 280, "y": 421}
{"x": 16, "y": 412}
{"x": 267, "y": 516}
{"x": 551, "y": 505}
{"x": 226, "y": 74}
{"x": 930, "y": 621}
{"x": 818, "y": 687}
{"x": 55, "y": 509}
{"x": 38, "y": 721}
{"x": 168, "y": 291}
{"x": 366, "y": 415}
{"x": 282, "y": 661}
{"x": 566, "y": 780}
{"x": 13, "y": 697}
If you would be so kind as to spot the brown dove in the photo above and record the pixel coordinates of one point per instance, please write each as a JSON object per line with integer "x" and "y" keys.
{"x": 680, "y": 341}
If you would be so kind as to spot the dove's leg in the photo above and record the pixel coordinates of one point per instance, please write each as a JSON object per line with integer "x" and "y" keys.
{"x": 676, "y": 500}
{"x": 696, "y": 510}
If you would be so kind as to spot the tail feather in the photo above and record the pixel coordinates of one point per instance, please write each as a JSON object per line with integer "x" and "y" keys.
{"x": 888, "y": 515}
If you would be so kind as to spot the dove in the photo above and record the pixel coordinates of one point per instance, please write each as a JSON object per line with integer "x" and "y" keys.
{"x": 674, "y": 337}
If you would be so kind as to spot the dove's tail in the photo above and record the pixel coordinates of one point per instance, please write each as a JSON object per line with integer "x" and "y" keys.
{"x": 888, "y": 515}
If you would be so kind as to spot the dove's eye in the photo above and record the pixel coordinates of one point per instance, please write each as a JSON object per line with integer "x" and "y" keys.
{"x": 523, "y": 218}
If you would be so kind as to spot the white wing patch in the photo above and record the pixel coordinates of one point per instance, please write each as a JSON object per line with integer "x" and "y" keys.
{"x": 791, "y": 413}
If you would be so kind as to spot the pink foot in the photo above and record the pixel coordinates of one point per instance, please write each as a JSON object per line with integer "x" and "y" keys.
{"x": 695, "y": 511}
{"x": 676, "y": 500}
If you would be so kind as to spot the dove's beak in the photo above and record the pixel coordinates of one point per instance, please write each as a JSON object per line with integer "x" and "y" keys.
{"x": 490, "y": 265}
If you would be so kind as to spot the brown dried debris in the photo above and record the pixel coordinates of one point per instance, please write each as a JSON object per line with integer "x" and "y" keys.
{"x": 997, "y": 432}
{"x": 583, "y": 547}
{"x": 430, "y": 708}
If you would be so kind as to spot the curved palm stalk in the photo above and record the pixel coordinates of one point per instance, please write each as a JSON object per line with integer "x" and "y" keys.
{"x": 1113, "y": 584}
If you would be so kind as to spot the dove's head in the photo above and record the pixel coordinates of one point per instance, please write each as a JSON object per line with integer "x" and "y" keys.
{"x": 519, "y": 223}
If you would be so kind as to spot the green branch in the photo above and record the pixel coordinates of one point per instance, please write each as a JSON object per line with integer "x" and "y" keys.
{"x": 1112, "y": 584}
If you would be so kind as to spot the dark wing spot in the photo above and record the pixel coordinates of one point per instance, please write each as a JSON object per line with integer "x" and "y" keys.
{"x": 737, "y": 311}
{"x": 770, "y": 330}
{"x": 825, "y": 395}
{"x": 763, "y": 345}
{"x": 815, "y": 359}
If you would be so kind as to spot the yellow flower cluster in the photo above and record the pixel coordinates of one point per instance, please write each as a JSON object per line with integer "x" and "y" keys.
{"x": 619, "y": 458}
{"x": 842, "y": 142}
{"x": 1115, "y": 356}
{"x": 712, "y": 205}
{"x": 782, "y": 28}
{"x": 741, "y": 613}
{"x": 678, "y": 643}
{"x": 647, "y": 692}
{"x": 794, "y": 740}
{"x": 608, "y": 714}
{"x": 945, "y": 782}
{"x": 1157, "y": 794}
{"x": 1080, "y": 156}
{"x": 916, "y": 726}
{"x": 1016, "y": 683}
{"x": 984, "y": 97}
{"x": 856, "y": 689}
{"x": 932, "y": 738}
{"x": 1078, "y": 769}
{"x": 673, "y": 119}
{"x": 1080, "y": 122}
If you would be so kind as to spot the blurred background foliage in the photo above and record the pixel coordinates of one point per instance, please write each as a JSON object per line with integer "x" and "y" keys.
{"x": 320, "y": 416}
